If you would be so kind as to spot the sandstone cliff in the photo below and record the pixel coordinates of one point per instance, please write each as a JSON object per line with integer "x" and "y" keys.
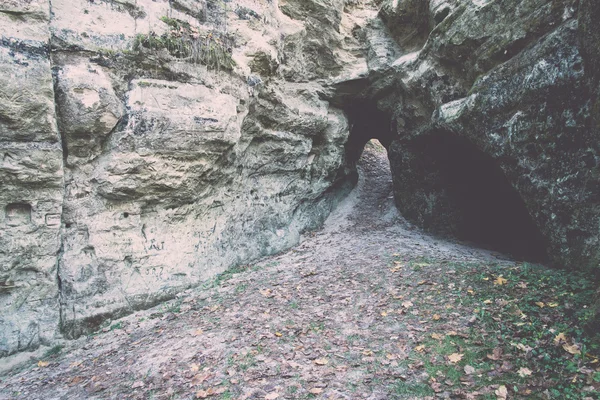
{"x": 147, "y": 145}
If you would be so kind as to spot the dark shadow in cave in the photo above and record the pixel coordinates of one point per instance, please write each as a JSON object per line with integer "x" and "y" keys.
{"x": 367, "y": 122}
{"x": 491, "y": 213}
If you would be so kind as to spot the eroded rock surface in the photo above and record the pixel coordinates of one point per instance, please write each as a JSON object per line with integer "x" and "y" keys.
{"x": 149, "y": 145}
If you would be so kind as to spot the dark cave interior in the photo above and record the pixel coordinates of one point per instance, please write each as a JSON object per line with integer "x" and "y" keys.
{"x": 487, "y": 211}
{"x": 491, "y": 212}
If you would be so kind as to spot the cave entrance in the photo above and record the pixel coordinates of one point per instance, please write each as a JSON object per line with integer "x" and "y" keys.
{"x": 474, "y": 201}
{"x": 479, "y": 204}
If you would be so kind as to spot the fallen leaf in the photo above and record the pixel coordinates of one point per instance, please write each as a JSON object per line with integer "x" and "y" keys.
{"x": 523, "y": 372}
{"x": 137, "y": 385}
{"x": 573, "y": 349}
{"x": 420, "y": 348}
{"x": 469, "y": 370}
{"x": 560, "y": 338}
{"x": 266, "y": 292}
{"x": 496, "y": 354}
{"x": 436, "y": 336}
{"x": 321, "y": 361}
{"x": 523, "y": 347}
{"x": 75, "y": 380}
{"x": 194, "y": 367}
{"x": 436, "y": 386}
{"x": 471, "y": 291}
{"x": 500, "y": 280}
{"x": 198, "y": 379}
{"x": 552, "y": 305}
{"x": 487, "y": 302}
{"x": 501, "y": 392}
{"x": 455, "y": 357}
{"x": 316, "y": 391}
{"x": 384, "y": 314}
{"x": 407, "y": 304}
{"x": 522, "y": 285}
{"x": 272, "y": 396}
{"x": 436, "y": 317}
{"x": 43, "y": 364}
{"x": 278, "y": 334}
{"x": 540, "y": 304}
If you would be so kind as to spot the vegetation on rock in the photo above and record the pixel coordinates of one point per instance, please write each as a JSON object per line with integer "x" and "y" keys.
{"x": 211, "y": 48}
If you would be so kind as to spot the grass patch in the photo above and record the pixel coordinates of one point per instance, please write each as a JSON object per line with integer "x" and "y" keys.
{"x": 526, "y": 330}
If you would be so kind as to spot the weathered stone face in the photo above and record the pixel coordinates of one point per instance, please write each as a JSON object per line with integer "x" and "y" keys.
{"x": 135, "y": 165}
{"x": 31, "y": 180}
{"x": 508, "y": 90}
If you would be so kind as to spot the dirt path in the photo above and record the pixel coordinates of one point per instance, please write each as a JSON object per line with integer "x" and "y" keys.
{"x": 337, "y": 317}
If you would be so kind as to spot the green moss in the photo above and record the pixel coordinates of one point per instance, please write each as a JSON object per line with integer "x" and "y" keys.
{"x": 183, "y": 41}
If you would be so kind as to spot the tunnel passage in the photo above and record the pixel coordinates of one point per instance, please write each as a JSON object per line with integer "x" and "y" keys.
{"x": 367, "y": 122}
{"x": 464, "y": 193}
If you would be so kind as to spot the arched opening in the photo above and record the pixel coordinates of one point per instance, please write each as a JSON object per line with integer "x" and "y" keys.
{"x": 446, "y": 185}
{"x": 367, "y": 122}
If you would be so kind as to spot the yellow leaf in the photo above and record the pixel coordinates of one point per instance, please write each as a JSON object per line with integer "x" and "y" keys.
{"x": 573, "y": 349}
{"x": 194, "y": 367}
{"x": 384, "y": 314}
{"x": 316, "y": 391}
{"x": 43, "y": 364}
{"x": 501, "y": 393}
{"x": 455, "y": 357}
{"x": 539, "y": 304}
{"x": 523, "y": 372}
{"x": 552, "y": 305}
{"x": 560, "y": 337}
{"x": 487, "y": 302}
{"x": 486, "y": 279}
{"x": 278, "y": 334}
{"x": 420, "y": 348}
{"x": 202, "y": 394}
{"x": 471, "y": 291}
{"x": 321, "y": 361}
{"x": 436, "y": 336}
{"x": 436, "y": 317}
{"x": 198, "y": 332}
{"x": 500, "y": 281}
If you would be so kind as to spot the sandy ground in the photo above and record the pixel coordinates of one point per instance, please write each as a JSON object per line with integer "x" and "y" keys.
{"x": 336, "y": 318}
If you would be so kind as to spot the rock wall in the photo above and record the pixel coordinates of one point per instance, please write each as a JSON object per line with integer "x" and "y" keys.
{"x": 148, "y": 145}
{"x": 498, "y": 86}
